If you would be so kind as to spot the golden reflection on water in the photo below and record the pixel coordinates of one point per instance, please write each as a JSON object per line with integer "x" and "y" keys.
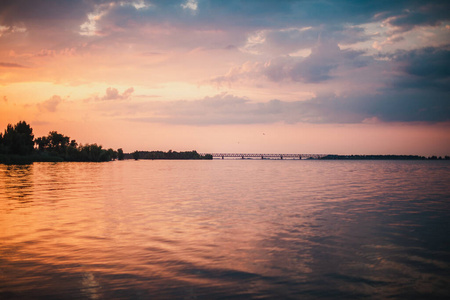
{"x": 90, "y": 286}
{"x": 182, "y": 229}
{"x": 17, "y": 183}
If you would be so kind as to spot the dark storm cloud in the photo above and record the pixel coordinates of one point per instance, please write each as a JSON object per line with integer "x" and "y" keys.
{"x": 393, "y": 106}
{"x": 423, "y": 68}
{"x": 430, "y": 62}
{"x": 419, "y": 106}
{"x": 429, "y": 14}
{"x": 229, "y": 109}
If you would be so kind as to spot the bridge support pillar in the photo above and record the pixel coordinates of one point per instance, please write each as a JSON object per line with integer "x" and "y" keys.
{"x": 242, "y": 156}
{"x": 281, "y": 156}
{"x": 262, "y": 157}
{"x": 222, "y": 156}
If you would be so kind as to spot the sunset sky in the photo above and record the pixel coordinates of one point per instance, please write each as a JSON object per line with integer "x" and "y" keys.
{"x": 340, "y": 77}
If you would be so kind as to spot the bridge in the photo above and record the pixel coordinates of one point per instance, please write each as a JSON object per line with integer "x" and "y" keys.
{"x": 265, "y": 156}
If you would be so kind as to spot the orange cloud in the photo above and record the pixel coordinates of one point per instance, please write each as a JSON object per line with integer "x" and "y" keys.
{"x": 51, "y": 104}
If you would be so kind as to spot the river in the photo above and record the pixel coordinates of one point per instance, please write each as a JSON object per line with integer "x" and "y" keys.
{"x": 225, "y": 229}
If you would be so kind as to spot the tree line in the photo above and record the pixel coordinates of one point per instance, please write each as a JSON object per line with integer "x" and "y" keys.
{"x": 18, "y": 145}
{"x": 167, "y": 155}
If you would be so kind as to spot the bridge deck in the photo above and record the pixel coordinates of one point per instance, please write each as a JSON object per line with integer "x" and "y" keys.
{"x": 265, "y": 155}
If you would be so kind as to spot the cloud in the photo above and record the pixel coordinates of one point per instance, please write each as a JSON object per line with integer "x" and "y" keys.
{"x": 113, "y": 94}
{"x": 325, "y": 57}
{"x": 182, "y": 25}
{"x": 428, "y": 14}
{"x": 46, "y": 53}
{"x": 11, "y": 65}
{"x": 228, "y": 109}
{"x": 253, "y": 15}
{"x": 316, "y": 67}
{"x": 290, "y": 40}
{"x": 5, "y": 30}
{"x": 422, "y": 68}
{"x": 117, "y": 16}
{"x": 51, "y": 104}
{"x": 430, "y": 62}
{"x": 217, "y": 24}
{"x": 190, "y": 4}
{"x": 296, "y": 43}
{"x": 13, "y": 12}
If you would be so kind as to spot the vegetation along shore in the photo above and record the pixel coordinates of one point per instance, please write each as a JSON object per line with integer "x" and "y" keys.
{"x": 19, "y": 146}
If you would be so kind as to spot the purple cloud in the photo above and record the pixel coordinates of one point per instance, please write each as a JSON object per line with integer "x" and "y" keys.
{"x": 113, "y": 94}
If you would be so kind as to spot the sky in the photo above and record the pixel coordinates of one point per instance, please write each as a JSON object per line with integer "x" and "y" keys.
{"x": 254, "y": 76}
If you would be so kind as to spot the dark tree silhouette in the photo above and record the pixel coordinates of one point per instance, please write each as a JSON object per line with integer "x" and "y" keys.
{"x": 17, "y": 146}
{"x": 120, "y": 154}
{"x": 112, "y": 154}
{"x": 55, "y": 142}
{"x": 17, "y": 139}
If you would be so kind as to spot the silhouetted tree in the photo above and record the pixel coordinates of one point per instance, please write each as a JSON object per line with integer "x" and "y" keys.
{"x": 55, "y": 142}
{"x": 17, "y": 139}
{"x": 42, "y": 143}
{"x": 59, "y": 145}
{"x": 58, "y": 142}
{"x": 112, "y": 154}
{"x": 120, "y": 154}
{"x": 2, "y": 146}
{"x": 93, "y": 152}
{"x": 136, "y": 155}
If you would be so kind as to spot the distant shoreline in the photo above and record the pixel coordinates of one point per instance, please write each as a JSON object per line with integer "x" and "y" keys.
{"x": 13, "y": 159}
{"x": 383, "y": 157}
{"x": 18, "y": 146}
{"x": 268, "y": 156}
{"x": 184, "y": 155}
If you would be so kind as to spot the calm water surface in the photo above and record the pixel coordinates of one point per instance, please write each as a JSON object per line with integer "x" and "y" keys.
{"x": 225, "y": 229}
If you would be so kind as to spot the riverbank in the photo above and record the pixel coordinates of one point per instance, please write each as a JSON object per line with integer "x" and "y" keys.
{"x": 166, "y": 155}
{"x": 14, "y": 159}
